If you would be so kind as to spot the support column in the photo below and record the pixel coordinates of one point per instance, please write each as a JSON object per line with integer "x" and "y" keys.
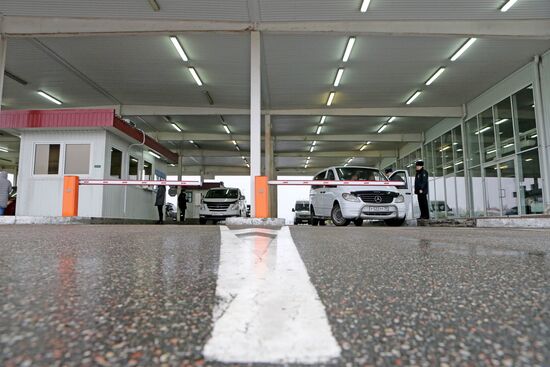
{"x": 269, "y": 165}
{"x": 3, "y": 48}
{"x": 541, "y": 93}
{"x": 255, "y": 116}
{"x": 180, "y": 188}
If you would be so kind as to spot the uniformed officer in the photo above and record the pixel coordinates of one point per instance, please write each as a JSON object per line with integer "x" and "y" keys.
{"x": 421, "y": 189}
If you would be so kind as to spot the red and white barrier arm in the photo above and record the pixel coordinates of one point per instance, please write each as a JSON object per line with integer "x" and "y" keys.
{"x": 138, "y": 183}
{"x": 336, "y": 183}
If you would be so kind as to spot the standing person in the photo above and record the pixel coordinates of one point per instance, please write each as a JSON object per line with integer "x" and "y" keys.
{"x": 182, "y": 204}
{"x": 159, "y": 202}
{"x": 388, "y": 172}
{"x": 5, "y": 189}
{"x": 421, "y": 189}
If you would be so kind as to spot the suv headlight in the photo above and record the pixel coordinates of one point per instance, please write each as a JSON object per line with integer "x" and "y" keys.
{"x": 400, "y": 199}
{"x": 351, "y": 197}
{"x": 234, "y": 206}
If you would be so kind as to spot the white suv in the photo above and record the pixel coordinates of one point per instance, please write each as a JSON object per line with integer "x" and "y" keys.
{"x": 344, "y": 204}
{"x": 222, "y": 203}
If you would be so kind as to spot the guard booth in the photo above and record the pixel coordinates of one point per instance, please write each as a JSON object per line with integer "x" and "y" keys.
{"x": 91, "y": 144}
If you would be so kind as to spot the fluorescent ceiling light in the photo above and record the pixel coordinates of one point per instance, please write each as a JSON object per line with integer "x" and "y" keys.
{"x": 392, "y": 119}
{"x": 459, "y": 150}
{"x": 305, "y": 165}
{"x": 323, "y": 118}
{"x": 155, "y": 155}
{"x": 365, "y": 6}
{"x": 172, "y": 165}
{"x": 176, "y": 127}
{"x": 338, "y": 78}
{"x": 2, "y": 149}
{"x": 445, "y": 148}
{"x": 501, "y": 121}
{"x": 154, "y": 5}
{"x": 49, "y": 98}
{"x": 314, "y": 143}
{"x": 528, "y": 159}
{"x": 448, "y": 167}
{"x": 534, "y": 136}
{"x": 308, "y": 158}
{"x": 345, "y": 165}
{"x": 363, "y": 147}
{"x": 195, "y": 76}
{"x": 234, "y": 142}
{"x": 191, "y": 141}
{"x": 435, "y": 76}
{"x": 248, "y": 165}
{"x": 491, "y": 151}
{"x": 177, "y": 46}
{"x": 382, "y": 128}
{"x": 414, "y": 96}
{"x": 349, "y": 47}
{"x": 508, "y": 5}
{"x": 508, "y": 145}
{"x": 311, "y": 149}
{"x": 330, "y": 98}
{"x": 463, "y": 49}
{"x": 133, "y": 159}
{"x": 483, "y": 130}
{"x": 319, "y": 129}
{"x": 458, "y": 163}
{"x": 237, "y": 147}
{"x": 226, "y": 129}
{"x": 15, "y": 78}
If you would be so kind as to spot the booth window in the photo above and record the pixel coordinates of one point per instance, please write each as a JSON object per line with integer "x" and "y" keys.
{"x": 116, "y": 163}
{"x": 133, "y": 168}
{"x": 77, "y": 159}
{"x": 46, "y": 159}
{"x": 147, "y": 171}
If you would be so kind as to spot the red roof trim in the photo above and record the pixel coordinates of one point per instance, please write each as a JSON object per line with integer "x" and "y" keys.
{"x": 78, "y": 118}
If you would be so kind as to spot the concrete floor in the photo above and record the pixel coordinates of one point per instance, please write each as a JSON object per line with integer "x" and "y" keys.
{"x": 144, "y": 295}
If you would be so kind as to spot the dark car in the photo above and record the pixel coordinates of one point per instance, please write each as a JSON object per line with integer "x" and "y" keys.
{"x": 10, "y": 209}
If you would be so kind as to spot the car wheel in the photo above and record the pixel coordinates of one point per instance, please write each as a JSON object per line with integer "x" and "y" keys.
{"x": 358, "y": 222}
{"x": 395, "y": 222}
{"x": 337, "y": 216}
{"x": 202, "y": 220}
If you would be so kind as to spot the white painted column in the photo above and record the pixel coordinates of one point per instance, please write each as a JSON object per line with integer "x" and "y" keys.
{"x": 541, "y": 93}
{"x": 255, "y": 116}
{"x": 3, "y": 48}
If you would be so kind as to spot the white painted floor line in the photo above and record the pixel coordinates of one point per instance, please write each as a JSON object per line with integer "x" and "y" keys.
{"x": 268, "y": 311}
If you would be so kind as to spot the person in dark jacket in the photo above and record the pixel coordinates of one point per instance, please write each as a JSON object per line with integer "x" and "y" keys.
{"x": 159, "y": 202}
{"x": 182, "y": 205}
{"x": 5, "y": 189}
{"x": 421, "y": 189}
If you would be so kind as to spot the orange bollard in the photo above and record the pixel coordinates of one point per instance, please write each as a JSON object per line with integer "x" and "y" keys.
{"x": 70, "y": 196}
{"x": 261, "y": 191}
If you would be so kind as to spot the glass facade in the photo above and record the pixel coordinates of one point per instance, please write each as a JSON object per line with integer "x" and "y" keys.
{"x": 502, "y": 162}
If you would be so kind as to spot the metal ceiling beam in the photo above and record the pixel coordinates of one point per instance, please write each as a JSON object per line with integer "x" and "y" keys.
{"x": 136, "y": 110}
{"x": 321, "y": 154}
{"x": 410, "y": 138}
{"x": 76, "y": 27}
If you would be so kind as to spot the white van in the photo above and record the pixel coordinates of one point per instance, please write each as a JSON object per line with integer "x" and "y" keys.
{"x": 222, "y": 203}
{"x": 344, "y": 204}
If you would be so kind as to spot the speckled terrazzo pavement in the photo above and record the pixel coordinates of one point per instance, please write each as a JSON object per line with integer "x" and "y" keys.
{"x": 144, "y": 295}
{"x": 433, "y": 297}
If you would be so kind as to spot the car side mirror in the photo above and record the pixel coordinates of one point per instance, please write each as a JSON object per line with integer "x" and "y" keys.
{"x": 242, "y": 197}
{"x": 293, "y": 210}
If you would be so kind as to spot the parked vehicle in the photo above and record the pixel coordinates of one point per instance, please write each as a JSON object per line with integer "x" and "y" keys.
{"x": 346, "y": 204}
{"x": 222, "y": 203}
{"x": 301, "y": 212}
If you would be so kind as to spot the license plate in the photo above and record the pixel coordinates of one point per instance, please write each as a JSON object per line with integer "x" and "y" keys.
{"x": 376, "y": 209}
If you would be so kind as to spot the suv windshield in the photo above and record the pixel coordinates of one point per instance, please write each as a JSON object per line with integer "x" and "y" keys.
{"x": 222, "y": 194}
{"x": 302, "y": 206}
{"x": 359, "y": 174}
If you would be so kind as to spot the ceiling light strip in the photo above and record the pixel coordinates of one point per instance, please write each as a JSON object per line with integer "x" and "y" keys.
{"x": 195, "y": 76}
{"x": 508, "y": 5}
{"x": 338, "y": 78}
{"x": 50, "y": 98}
{"x": 176, "y": 127}
{"x": 178, "y": 47}
{"x": 365, "y": 6}
{"x": 435, "y": 76}
{"x": 330, "y": 98}
{"x": 414, "y": 96}
{"x": 463, "y": 49}
{"x": 349, "y": 47}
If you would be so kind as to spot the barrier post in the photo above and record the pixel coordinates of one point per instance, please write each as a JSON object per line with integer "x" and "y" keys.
{"x": 261, "y": 198}
{"x": 70, "y": 196}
